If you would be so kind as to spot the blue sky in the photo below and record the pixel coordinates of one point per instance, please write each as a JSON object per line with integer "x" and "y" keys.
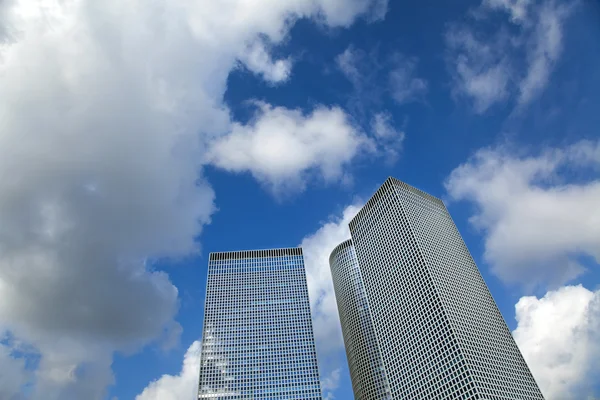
{"x": 136, "y": 139}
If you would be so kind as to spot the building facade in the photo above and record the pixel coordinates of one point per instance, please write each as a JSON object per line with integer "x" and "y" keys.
{"x": 436, "y": 327}
{"x": 258, "y": 340}
{"x": 368, "y": 376}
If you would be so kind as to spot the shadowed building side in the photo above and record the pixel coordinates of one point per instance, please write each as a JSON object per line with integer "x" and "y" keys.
{"x": 369, "y": 381}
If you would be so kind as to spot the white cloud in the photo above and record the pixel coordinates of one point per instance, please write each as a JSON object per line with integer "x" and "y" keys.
{"x": 382, "y": 126}
{"x": 365, "y": 72}
{"x": 389, "y": 138}
{"x": 343, "y": 13}
{"x": 348, "y": 62}
{"x": 515, "y": 59}
{"x": 536, "y": 226}
{"x": 283, "y": 148}
{"x": 481, "y": 70}
{"x": 559, "y": 336}
{"x": 317, "y": 248}
{"x": 107, "y": 108}
{"x": 405, "y": 86}
{"x": 181, "y": 386}
{"x": 258, "y": 60}
{"x": 518, "y": 9}
{"x": 544, "y": 49}
{"x": 330, "y": 384}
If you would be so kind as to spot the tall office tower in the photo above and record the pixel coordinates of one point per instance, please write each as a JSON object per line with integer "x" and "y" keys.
{"x": 436, "y": 327}
{"x": 258, "y": 340}
{"x": 364, "y": 357}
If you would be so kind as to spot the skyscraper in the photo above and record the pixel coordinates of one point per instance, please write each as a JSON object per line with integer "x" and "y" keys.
{"x": 411, "y": 297}
{"x": 258, "y": 340}
{"x": 369, "y": 380}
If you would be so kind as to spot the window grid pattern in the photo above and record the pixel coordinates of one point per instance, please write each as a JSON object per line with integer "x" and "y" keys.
{"x": 258, "y": 340}
{"x": 369, "y": 381}
{"x": 498, "y": 368}
{"x": 439, "y": 331}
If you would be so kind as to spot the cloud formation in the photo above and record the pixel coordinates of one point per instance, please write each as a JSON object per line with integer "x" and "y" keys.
{"x": 481, "y": 70}
{"x": 515, "y": 60}
{"x": 330, "y": 383}
{"x": 405, "y": 85}
{"x": 176, "y": 387}
{"x": 258, "y": 60}
{"x": 536, "y": 225}
{"x": 107, "y": 111}
{"x": 559, "y": 336}
{"x": 389, "y": 138}
{"x": 284, "y": 148}
{"x": 366, "y": 71}
{"x": 317, "y": 248}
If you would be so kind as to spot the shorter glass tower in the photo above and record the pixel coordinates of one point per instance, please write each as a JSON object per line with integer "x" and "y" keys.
{"x": 258, "y": 340}
{"x": 369, "y": 381}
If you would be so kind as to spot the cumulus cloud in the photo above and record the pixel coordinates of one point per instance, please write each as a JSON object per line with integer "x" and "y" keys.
{"x": 317, "y": 248}
{"x": 176, "y": 387}
{"x": 107, "y": 110}
{"x": 518, "y": 9}
{"x": 543, "y": 50}
{"x": 536, "y": 225}
{"x": 377, "y": 10}
{"x": 343, "y": 13}
{"x": 559, "y": 336}
{"x": 390, "y": 138}
{"x": 330, "y": 383}
{"x": 348, "y": 62}
{"x": 481, "y": 70}
{"x": 282, "y": 148}
{"x": 516, "y": 59}
{"x": 258, "y": 60}
{"x": 366, "y": 71}
{"x": 405, "y": 85}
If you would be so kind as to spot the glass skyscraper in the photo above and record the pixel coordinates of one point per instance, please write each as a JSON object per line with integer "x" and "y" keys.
{"x": 258, "y": 340}
{"x": 418, "y": 320}
{"x": 364, "y": 357}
